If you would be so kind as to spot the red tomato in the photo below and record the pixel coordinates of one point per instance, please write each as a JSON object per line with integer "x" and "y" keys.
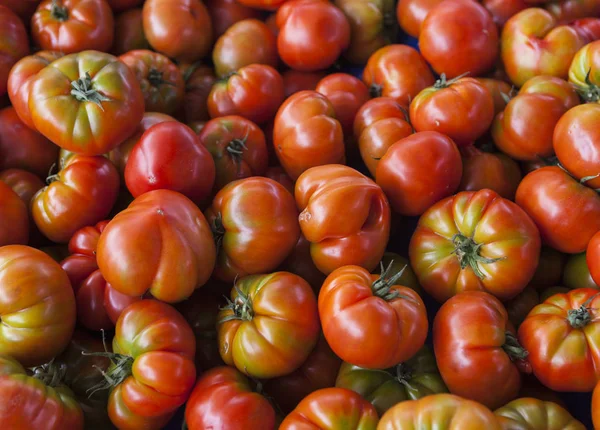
{"x": 569, "y": 10}
{"x": 462, "y": 109}
{"x": 254, "y": 92}
{"x": 225, "y": 13}
{"x": 561, "y": 336}
{"x": 120, "y": 5}
{"x": 369, "y": 320}
{"x": 163, "y": 153}
{"x": 23, "y": 8}
{"x": 278, "y": 175}
{"x": 412, "y": 13}
{"x": 593, "y": 258}
{"x": 596, "y": 406}
{"x": 14, "y": 44}
{"x": 295, "y": 81}
{"x": 15, "y": 218}
{"x": 502, "y": 10}
{"x": 399, "y": 72}
{"x": 224, "y": 399}
{"x": 24, "y": 183}
{"x": 198, "y": 84}
{"x": 325, "y": 192}
{"x": 304, "y": 43}
{"x": 129, "y": 32}
{"x": 418, "y": 171}
{"x": 458, "y": 37}
{"x": 71, "y": 26}
{"x": 169, "y": 233}
{"x": 180, "y": 29}
{"x": 499, "y": 91}
{"x": 545, "y": 193}
{"x": 536, "y": 414}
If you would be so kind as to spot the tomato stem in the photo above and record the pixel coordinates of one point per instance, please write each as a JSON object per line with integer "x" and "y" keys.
{"x": 442, "y": 82}
{"x": 403, "y": 373}
{"x": 375, "y": 90}
{"x": 590, "y": 92}
{"x": 51, "y": 374}
{"x": 382, "y": 287}
{"x": 120, "y": 369}
{"x": 218, "y": 231}
{"x": 83, "y": 90}
{"x": 59, "y": 12}
{"x": 468, "y": 253}
{"x": 155, "y": 77}
{"x": 241, "y": 307}
{"x": 513, "y": 348}
{"x": 579, "y": 318}
{"x": 236, "y": 149}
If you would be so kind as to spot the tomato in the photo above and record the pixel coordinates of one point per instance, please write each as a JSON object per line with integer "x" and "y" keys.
{"x": 295, "y": 81}
{"x": 255, "y": 225}
{"x": 70, "y": 26}
{"x": 14, "y": 44}
{"x": 458, "y": 37}
{"x": 378, "y": 124}
{"x": 499, "y": 91}
{"x": 596, "y": 406}
{"x": 129, "y": 32}
{"x": 24, "y": 183}
{"x": 223, "y": 398}
{"x": 15, "y": 218}
{"x": 474, "y": 241}
{"x": 461, "y": 108}
{"x": 550, "y": 268}
{"x": 502, "y": 10}
{"x": 160, "y": 79}
{"x": 399, "y": 72}
{"x": 561, "y": 337}
{"x": 225, "y": 13}
{"x": 519, "y": 306}
{"x": 544, "y": 193}
{"x": 418, "y": 171}
{"x": 410, "y": 380}
{"x": 169, "y": 233}
{"x": 491, "y": 170}
{"x": 180, "y": 29}
{"x": 278, "y": 175}
{"x": 198, "y": 84}
{"x": 80, "y": 89}
{"x": 593, "y": 258}
{"x": 569, "y": 10}
{"x": 576, "y": 273}
{"x": 254, "y": 92}
{"x": 300, "y": 263}
{"x": 401, "y": 266}
{"x": 347, "y": 94}
{"x": 439, "y": 411}
{"x": 36, "y": 401}
{"x": 120, "y": 5}
{"x": 270, "y": 325}
{"x": 246, "y": 42}
{"x": 371, "y": 27}
{"x": 307, "y": 134}
{"x": 238, "y": 149}
{"x": 584, "y": 72}
{"x": 23, "y": 8}
{"x": 332, "y": 408}
{"x": 163, "y": 153}
{"x": 536, "y": 414}
{"x": 412, "y": 13}
{"x": 325, "y": 192}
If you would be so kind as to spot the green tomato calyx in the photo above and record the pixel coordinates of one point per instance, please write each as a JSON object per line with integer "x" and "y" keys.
{"x": 58, "y": 12}
{"x": 119, "y": 370}
{"x": 83, "y": 90}
{"x": 443, "y": 82}
{"x": 579, "y": 318}
{"x": 240, "y": 307}
{"x": 52, "y": 374}
{"x": 382, "y": 287}
{"x": 468, "y": 253}
{"x": 590, "y": 92}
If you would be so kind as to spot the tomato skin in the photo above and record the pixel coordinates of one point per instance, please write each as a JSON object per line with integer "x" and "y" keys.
{"x": 223, "y": 399}
{"x": 557, "y": 346}
{"x": 576, "y": 273}
{"x": 544, "y": 192}
{"x": 278, "y": 175}
{"x": 129, "y": 32}
{"x": 324, "y": 192}
{"x": 180, "y": 29}
{"x": 400, "y": 264}
{"x": 198, "y": 84}
{"x": 22, "y": 182}
{"x": 586, "y": 61}
{"x": 536, "y": 415}
{"x": 412, "y": 13}
{"x": 225, "y": 13}
{"x": 459, "y": 36}
{"x": 399, "y": 72}
{"x": 71, "y": 26}
{"x": 569, "y": 10}
{"x": 469, "y": 118}
{"x": 497, "y": 89}
{"x": 300, "y": 263}
{"x": 502, "y": 10}
{"x": 255, "y": 221}
{"x": 254, "y": 92}
{"x": 295, "y": 81}
{"x": 550, "y": 268}
{"x": 14, "y": 44}
{"x": 23, "y": 8}
{"x": 593, "y": 257}
{"x": 15, "y": 217}
{"x": 414, "y": 178}
{"x": 596, "y": 406}
{"x": 332, "y": 408}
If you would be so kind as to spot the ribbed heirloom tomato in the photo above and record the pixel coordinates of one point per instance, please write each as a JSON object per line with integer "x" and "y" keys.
{"x": 535, "y": 414}
{"x": 13, "y": 44}
{"x": 22, "y": 182}
{"x": 584, "y": 72}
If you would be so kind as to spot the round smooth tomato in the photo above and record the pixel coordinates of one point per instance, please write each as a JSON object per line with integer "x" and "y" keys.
{"x": 295, "y": 81}
{"x": 399, "y": 72}
{"x": 550, "y": 268}
{"x": 270, "y": 325}
{"x": 129, "y": 32}
{"x": 180, "y": 29}
{"x": 418, "y": 171}
{"x": 225, "y": 13}
{"x": 160, "y": 79}
{"x": 545, "y": 193}
{"x": 255, "y": 225}
{"x": 536, "y": 414}
{"x": 576, "y": 273}
{"x": 596, "y": 406}
{"x": 475, "y": 241}
{"x": 300, "y": 263}
{"x": 458, "y": 37}
{"x": 168, "y": 232}
{"x": 22, "y": 182}
{"x": 198, "y": 84}
{"x": 330, "y": 409}
{"x": 322, "y": 194}
{"x": 304, "y": 43}
{"x": 14, "y": 44}
{"x": 70, "y": 26}
{"x": 306, "y": 133}
{"x": 79, "y": 90}
{"x": 161, "y": 157}
{"x": 412, "y": 13}
{"x": 561, "y": 335}
{"x": 15, "y": 217}
{"x": 224, "y": 398}
{"x": 412, "y": 379}
{"x": 254, "y": 92}
{"x": 519, "y": 306}
{"x": 369, "y": 320}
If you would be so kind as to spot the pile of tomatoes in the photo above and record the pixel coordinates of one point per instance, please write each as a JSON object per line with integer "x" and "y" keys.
{"x": 204, "y": 219}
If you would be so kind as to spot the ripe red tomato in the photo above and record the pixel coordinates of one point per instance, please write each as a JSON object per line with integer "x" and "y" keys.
{"x": 278, "y": 175}
{"x": 77, "y": 90}
{"x": 169, "y": 233}
{"x": 576, "y": 273}
{"x": 254, "y": 92}
{"x": 14, "y": 44}
{"x": 295, "y": 81}
{"x": 255, "y": 225}
{"x": 399, "y": 72}
{"x": 163, "y": 153}
{"x": 418, "y": 171}
{"x": 15, "y": 218}
{"x": 303, "y": 42}
{"x": 561, "y": 336}
{"x": 198, "y": 84}
{"x": 502, "y": 10}
{"x": 22, "y": 182}
{"x": 70, "y": 26}
{"x": 23, "y": 8}
{"x": 596, "y": 406}
{"x": 568, "y": 11}
{"x": 224, "y": 398}
{"x": 474, "y": 241}
{"x": 535, "y": 414}
{"x": 369, "y": 320}
{"x": 332, "y": 408}
{"x": 325, "y": 192}
{"x": 545, "y": 193}
{"x": 180, "y": 29}
{"x": 499, "y": 90}
{"x": 412, "y": 13}
{"x": 160, "y": 79}
{"x": 129, "y": 32}
{"x": 225, "y": 13}
{"x": 593, "y": 258}
{"x": 458, "y": 37}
